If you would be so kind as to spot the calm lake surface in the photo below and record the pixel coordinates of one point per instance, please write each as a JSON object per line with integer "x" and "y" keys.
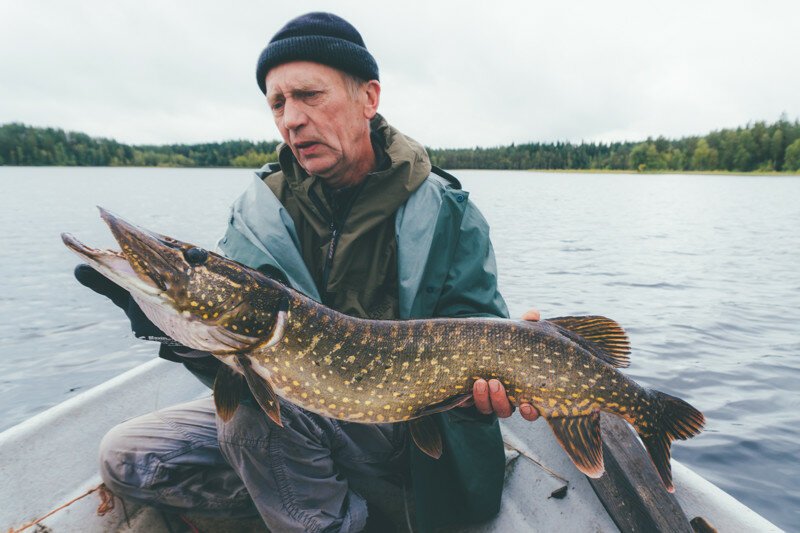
{"x": 702, "y": 271}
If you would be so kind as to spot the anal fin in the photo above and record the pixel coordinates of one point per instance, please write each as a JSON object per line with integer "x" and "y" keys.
{"x": 605, "y": 338}
{"x": 227, "y": 391}
{"x": 427, "y": 436}
{"x": 261, "y": 389}
{"x": 580, "y": 438}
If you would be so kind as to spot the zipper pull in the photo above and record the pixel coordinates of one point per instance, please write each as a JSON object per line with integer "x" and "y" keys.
{"x": 326, "y": 268}
{"x": 334, "y": 241}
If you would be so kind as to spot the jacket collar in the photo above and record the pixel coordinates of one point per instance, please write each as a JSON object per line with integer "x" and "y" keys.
{"x": 403, "y": 165}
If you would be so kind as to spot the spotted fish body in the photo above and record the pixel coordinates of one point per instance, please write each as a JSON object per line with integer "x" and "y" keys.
{"x": 286, "y": 346}
{"x": 391, "y": 371}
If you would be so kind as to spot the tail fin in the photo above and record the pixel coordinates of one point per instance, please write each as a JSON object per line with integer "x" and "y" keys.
{"x": 669, "y": 418}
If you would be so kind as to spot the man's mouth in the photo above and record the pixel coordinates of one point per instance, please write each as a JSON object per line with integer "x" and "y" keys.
{"x": 306, "y": 147}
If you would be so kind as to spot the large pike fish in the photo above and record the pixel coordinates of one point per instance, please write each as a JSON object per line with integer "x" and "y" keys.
{"x": 284, "y": 345}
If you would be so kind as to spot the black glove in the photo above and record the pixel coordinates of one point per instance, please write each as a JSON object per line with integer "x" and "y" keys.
{"x": 203, "y": 365}
{"x": 142, "y": 327}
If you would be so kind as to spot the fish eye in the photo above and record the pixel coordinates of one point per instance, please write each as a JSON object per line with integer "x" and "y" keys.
{"x": 195, "y": 256}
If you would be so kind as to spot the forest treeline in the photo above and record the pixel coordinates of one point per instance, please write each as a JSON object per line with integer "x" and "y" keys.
{"x": 759, "y": 146}
{"x": 27, "y": 145}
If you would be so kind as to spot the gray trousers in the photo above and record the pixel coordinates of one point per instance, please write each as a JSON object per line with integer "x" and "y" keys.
{"x": 185, "y": 459}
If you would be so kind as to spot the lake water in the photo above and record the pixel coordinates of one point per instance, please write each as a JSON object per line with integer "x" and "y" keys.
{"x": 703, "y": 272}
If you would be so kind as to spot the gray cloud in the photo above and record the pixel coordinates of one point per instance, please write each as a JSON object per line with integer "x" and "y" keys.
{"x": 454, "y": 73}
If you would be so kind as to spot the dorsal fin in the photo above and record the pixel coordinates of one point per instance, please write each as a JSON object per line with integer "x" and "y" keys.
{"x": 580, "y": 438}
{"x": 605, "y": 338}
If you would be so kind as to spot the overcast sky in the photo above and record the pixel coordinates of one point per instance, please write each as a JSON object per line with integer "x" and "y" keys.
{"x": 454, "y": 73}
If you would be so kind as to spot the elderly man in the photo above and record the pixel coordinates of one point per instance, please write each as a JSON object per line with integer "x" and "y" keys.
{"x": 356, "y": 217}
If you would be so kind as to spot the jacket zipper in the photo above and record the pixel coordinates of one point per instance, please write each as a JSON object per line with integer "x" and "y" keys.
{"x": 326, "y": 268}
{"x": 335, "y": 228}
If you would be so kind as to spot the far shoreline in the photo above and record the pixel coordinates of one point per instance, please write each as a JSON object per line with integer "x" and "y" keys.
{"x": 542, "y": 170}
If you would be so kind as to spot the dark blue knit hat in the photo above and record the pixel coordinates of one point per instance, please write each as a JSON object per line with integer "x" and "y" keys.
{"x": 320, "y": 37}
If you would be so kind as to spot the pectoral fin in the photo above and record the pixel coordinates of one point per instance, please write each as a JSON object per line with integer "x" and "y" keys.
{"x": 227, "y": 391}
{"x": 261, "y": 389}
{"x": 580, "y": 437}
{"x": 279, "y": 329}
{"x": 446, "y": 405}
{"x": 426, "y": 436}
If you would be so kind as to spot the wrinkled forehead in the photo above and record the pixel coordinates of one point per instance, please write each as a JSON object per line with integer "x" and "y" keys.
{"x": 301, "y": 76}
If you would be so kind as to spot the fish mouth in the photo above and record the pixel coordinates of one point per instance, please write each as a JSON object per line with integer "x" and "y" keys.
{"x": 113, "y": 265}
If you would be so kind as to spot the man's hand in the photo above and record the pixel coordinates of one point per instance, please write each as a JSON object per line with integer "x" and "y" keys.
{"x": 141, "y": 326}
{"x": 532, "y": 315}
{"x": 491, "y": 397}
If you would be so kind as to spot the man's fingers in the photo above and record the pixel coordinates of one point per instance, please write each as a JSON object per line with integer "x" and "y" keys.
{"x": 528, "y": 412}
{"x": 532, "y": 314}
{"x": 491, "y": 398}
{"x": 497, "y": 394}
{"x": 89, "y": 277}
{"x": 480, "y": 393}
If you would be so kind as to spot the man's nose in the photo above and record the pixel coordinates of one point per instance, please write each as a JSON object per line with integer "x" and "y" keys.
{"x": 293, "y": 115}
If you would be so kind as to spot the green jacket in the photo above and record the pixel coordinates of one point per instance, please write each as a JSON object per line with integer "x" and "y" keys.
{"x": 445, "y": 267}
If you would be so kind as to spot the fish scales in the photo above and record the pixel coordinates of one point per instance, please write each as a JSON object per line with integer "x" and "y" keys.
{"x": 283, "y": 344}
{"x": 390, "y": 371}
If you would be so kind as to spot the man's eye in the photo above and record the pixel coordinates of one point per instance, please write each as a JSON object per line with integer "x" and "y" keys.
{"x": 276, "y": 106}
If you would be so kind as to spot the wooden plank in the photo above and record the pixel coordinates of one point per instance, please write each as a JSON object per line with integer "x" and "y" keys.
{"x": 631, "y": 490}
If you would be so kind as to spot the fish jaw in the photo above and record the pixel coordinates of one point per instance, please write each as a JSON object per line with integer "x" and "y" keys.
{"x": 113, "y": 265}
{"x": 155, "y": 258}
{"x": 211, "y": 303}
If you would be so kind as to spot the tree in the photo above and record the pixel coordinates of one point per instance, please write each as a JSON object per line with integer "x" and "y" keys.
{"x": 645, "y": 156}
{"x": 704, "y": 157}
{"x": 253, "y": 159}
{"x": 776, "y": 149}
{"x": 791, "y": 160}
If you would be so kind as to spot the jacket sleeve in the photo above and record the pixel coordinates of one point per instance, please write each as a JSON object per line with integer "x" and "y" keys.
{"x": 470, "y": 289}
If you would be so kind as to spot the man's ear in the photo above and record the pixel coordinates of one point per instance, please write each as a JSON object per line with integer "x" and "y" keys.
{"x": 372, "y": 90}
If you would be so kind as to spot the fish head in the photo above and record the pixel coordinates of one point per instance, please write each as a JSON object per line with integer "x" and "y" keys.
{"x": 199, "y": 298}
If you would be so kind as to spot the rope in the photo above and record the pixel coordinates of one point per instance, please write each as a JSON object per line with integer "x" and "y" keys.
{"x": 106, "y": 500}
{"x": 106, "y": 505}
{"x": 192, "y": 527}
{"x": 534, "y": 461}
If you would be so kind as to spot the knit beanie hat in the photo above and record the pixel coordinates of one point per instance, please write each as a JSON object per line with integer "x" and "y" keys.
{"x": 320, "y": 37}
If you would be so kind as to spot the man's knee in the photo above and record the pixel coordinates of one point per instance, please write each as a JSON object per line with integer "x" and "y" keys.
{"x": 290, "y": 471}
{"x": 120, "y": 467}
{"x": 135, "y": 455}
{"x": 250, "y": 427}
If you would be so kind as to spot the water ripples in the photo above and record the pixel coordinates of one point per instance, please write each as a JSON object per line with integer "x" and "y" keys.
{"x": 702, "y": 273}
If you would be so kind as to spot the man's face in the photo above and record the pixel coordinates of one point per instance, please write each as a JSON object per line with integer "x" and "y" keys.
{"x": 321, "y": 120}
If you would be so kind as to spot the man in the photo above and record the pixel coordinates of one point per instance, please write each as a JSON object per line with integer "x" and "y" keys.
{"x": 354, "y": 217}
